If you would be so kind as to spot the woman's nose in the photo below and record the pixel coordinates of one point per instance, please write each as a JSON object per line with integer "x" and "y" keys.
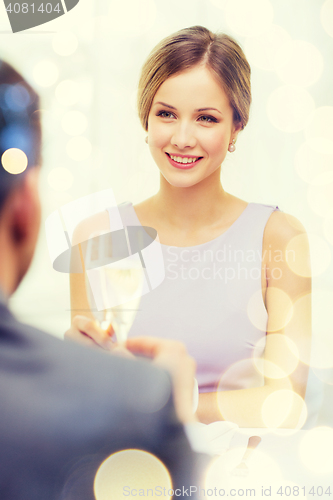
{"x": 183, "y": 136}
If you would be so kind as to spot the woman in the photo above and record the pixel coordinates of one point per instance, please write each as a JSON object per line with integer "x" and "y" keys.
{"x": 227, "y": 273}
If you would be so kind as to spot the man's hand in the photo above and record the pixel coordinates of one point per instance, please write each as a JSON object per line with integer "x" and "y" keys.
{"x": 168, "y": 354}
{"x": 173, "y": 357}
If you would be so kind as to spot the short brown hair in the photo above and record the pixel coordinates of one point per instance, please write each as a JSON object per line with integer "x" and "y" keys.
{"x": 184, "y": 50}
{"x": 20, "y": 125}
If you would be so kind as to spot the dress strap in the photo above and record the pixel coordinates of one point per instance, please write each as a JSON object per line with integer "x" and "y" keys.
{"x": 126, "y": 212}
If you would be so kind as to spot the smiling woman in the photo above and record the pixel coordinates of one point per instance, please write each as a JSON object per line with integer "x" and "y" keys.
{"x": 182, "y": 135}
{"x": 194, "y": 99}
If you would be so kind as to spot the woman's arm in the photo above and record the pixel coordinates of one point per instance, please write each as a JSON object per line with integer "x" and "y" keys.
{"x": 288, "y": 304}
{"x": 84, "y": 328}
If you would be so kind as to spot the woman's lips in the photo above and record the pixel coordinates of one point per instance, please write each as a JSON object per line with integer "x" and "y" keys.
{"x": 183, "y": 166}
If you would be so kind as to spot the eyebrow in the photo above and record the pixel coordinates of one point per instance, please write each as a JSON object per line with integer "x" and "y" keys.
{"x": 164, "y": 104}
{"x": 196, "y": 110}
{"x": 208, "y": 109}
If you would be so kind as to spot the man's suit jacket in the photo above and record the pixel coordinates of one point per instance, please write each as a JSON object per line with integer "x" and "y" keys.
{"x": 66, "y": 408}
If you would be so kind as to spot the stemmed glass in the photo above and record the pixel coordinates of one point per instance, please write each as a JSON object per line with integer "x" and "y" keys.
{"x": 114, "y": 286}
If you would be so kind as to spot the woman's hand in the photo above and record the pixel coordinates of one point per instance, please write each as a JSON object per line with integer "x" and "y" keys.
{"x": 87, "y": 331}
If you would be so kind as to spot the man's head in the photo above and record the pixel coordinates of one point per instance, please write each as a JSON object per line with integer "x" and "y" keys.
{"x": 20, "y": 155}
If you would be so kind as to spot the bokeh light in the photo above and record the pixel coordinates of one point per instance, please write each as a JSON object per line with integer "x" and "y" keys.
{"x": 328, "y": 227}
{"x": 322, "y": 326}
{"x": 131, "y": 18}
{"x": 249, "y": 18}
{"x": 261, "y": 50}
{"x": 257, "y": 312}
{"x": 74, "y": 123}
{"x": 136, "y": 469}
{"x": 299, "y": 327}
{"x": 299, "y": 63}
{"x": 240, "y": 375}
{"x": 321, "y": 254}
{"x": 289, "y": 107}
{"x": 67, "y": 92}
{"x": 282, "y": 406}
{"x": 262, "y": 470}
{"x": 320, "y": 198}
{"x": 279, "y": 345}
{"x": 60, "y": 179}
{"x": 45, "y": 73}
{"x": 93, "y": 28}
{"x": 320, "y": 126}
{"x": 324, "y": 374}
{"x": 64, "y": 43}
{"x": 14, "y": 161}
{"x": 326, "y": 17}
{"x": 282, "y": 313}
{"x": 269, "y": 369}
{"x": 244, "y": 374}
{"x": 78, "y": 148}
{"x": 58, "y": 199}
{"x": 217, "y": 474}
{"x": 316, "y": 450}
{"x": 297, "y": 259}
{"x": 314, "y": 165}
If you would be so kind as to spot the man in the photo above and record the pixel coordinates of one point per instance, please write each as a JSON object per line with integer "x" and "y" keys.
{"x": 65, "y": 409}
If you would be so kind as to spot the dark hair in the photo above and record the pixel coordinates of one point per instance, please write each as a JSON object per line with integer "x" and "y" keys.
{"x": 184, "y": 50}
{"x": 19, "y": 125}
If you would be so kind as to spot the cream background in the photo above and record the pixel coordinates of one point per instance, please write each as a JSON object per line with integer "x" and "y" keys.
{"x": 100, "y": 46}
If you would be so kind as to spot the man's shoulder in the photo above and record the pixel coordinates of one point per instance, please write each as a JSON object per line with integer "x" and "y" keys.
{"x": 66, "y": 408}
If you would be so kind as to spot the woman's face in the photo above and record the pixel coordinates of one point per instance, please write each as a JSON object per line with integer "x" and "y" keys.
{"x": 190, "y": 127}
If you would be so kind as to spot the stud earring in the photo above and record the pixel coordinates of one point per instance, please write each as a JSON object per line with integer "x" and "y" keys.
{"x": 146, "y": 139}
{"x": 232, "y": 146}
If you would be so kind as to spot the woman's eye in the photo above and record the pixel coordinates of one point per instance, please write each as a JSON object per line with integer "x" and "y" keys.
{"x": 207, "y": 119}
{"x": 165, "y": 114}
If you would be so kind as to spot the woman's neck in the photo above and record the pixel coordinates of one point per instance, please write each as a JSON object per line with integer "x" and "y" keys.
{"x": 193, "y": 207}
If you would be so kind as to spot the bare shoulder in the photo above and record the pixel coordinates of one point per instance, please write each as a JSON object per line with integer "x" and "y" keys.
{"x": 97, "y": 223}
{"x": 281, "y": 228}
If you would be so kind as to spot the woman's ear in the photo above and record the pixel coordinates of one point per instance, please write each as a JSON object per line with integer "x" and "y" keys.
{"x": 238, "y": 126}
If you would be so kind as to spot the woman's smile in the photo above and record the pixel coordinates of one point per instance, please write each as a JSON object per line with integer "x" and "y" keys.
{"x": 182, "y": 161}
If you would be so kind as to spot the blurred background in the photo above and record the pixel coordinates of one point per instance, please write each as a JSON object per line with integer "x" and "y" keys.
{"x": 86, "y": 65}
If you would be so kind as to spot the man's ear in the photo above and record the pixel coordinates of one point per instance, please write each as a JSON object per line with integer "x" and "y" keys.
{"x": 24, "y": 207}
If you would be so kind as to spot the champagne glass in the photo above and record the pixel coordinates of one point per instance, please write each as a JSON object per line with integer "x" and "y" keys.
{"x": 114, "y": 286}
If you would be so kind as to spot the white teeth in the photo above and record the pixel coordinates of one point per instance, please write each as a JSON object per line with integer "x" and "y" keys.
{"x": 178, "y": 159}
